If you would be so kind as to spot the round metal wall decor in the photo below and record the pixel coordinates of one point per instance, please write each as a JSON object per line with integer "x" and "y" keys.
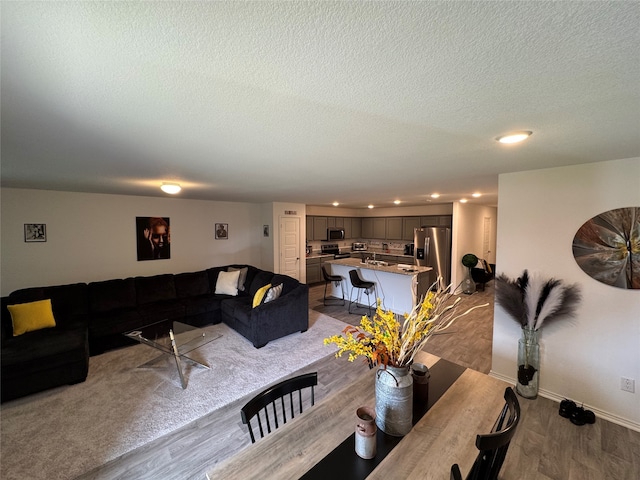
{"x": 607, "y": 247}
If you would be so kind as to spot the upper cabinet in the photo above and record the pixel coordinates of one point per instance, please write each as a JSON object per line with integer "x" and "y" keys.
{"x": 394, "y": 228}
{"x": 374, "y": 228}
{"x": 319, "y": 228}
{"x": 409, "y": 224}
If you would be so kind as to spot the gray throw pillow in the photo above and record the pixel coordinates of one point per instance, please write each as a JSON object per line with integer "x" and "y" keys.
{"x": 242, "y": 278}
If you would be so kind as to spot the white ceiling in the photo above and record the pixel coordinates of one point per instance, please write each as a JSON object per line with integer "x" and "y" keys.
{"x": 313, "y": 102}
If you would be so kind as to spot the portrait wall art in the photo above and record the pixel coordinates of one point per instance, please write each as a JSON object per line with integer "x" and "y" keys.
{"x": 153, "y": 236}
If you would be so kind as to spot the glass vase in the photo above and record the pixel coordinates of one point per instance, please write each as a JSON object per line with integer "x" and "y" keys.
{"x": 528, "y": 364}
{"x": 468, "y": 285}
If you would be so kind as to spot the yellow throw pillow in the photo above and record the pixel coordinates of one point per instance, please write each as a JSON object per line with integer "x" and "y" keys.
{"x": 257, "y": 298}
{"x": 28, "y": 317}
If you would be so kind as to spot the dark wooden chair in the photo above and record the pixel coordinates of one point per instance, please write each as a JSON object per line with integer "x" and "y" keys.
{"x": 483, "y": 275}
{"x": 493, "y": 446}
{"x": 271, "y": 405}
{"x": 328, "y": 278}
{"x": 360, "y": 284}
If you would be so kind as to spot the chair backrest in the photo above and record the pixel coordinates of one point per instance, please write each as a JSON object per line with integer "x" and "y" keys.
{"x": 271, "y": 405}
{"x": 356, "y": 281}
{"x": 493, "y": 446}
{"x": 325, "y": 274}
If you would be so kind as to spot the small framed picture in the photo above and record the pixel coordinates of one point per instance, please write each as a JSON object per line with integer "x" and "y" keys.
{"x": 35, "y": 232}
{"x": 265, "y": 230}
{"x": 222, "y": 231}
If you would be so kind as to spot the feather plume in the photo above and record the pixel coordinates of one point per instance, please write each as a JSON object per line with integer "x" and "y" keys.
{"x": 570, "y": 299}
{"x": 532, "y": 295}
{"x": 550, "y": 301}
{"x": 509, "y": 296}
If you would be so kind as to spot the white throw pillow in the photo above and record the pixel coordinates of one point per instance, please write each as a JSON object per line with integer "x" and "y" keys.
{"x": 227, "y": 283}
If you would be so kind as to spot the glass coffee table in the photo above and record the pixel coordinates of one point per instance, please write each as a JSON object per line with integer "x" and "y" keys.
{"x": 174, "y": 339}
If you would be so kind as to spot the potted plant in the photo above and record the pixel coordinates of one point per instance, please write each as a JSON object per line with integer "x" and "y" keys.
{"x": 468, "y": 285}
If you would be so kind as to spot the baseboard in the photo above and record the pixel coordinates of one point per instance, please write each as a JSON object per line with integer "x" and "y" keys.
{"x": 558, "y": 398}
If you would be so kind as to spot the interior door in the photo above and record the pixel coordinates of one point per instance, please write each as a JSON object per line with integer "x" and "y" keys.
{"x": 290, "y": 246}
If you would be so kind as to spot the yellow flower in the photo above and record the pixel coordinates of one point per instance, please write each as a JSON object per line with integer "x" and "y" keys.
{"x": 384, "y": 340}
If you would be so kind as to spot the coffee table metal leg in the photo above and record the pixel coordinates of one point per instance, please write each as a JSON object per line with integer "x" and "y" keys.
{"x": 177, "y": 357}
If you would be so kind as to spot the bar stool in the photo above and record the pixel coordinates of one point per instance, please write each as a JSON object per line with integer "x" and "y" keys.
{"x": 357, "y": 282}
{"x": 328, "y": 278}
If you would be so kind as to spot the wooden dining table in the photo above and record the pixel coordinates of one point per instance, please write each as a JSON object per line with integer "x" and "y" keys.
{"x": 316, "y": 444}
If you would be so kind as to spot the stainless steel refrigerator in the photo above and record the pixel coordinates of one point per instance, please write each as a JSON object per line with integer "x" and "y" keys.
{"x": 432, "y": 248}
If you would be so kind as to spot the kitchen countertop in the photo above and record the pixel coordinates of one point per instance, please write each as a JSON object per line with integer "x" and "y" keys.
{"x": 356, "y": 263}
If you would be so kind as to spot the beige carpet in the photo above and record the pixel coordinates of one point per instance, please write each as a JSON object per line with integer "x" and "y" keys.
{"x": 64, "y": 432}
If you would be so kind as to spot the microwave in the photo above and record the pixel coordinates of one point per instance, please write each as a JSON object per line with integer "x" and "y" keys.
{"x": 335, "y": 234}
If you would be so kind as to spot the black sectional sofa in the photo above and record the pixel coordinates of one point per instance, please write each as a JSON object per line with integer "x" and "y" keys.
{"x": 91, "y": 318}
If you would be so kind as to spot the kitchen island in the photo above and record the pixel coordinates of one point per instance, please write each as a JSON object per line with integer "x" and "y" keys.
{"x": 400, "y": 286}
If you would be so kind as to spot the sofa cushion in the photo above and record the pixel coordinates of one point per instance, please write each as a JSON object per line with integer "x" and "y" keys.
{"x": 273, "y": 293}
{"x": 70, "y": 302}
{"x": 242, "y": 278}
{"x": 155, "y": 289}
{"x": 288, "y": 283}
{"x": 32, "y": 316}
{"x": 260, "y": 280}
{"x": 112, "y": 295}
{"x": 191, "y": 284}
{"x": 259, "y": 296}
{"x": 227, "y": 283}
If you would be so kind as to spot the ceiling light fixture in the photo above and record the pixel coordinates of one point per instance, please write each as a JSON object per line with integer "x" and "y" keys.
{"x": 514, "y": 137}
{"x": 435, "y": 195}
{"x": 476, "y": 195}
{"x": 397, "y": 202}
{"x": 335, "y": 204}
{"x": 171, "y": 188}
{"x": 370, "y": 206}
{"x": 463, "y": 200}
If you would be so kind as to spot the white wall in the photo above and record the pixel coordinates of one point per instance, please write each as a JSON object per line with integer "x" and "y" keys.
{"x": 468, "y": 235}
{"x": 583, "y": 358}
{"x": 92, "y": 237}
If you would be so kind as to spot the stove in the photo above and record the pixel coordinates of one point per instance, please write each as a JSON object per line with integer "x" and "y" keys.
{"x": 333, "y": 249}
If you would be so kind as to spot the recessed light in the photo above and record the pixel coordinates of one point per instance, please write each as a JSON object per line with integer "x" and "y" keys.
{"x": 397, "y": 202}
{"x": 463, "y": 200}
{"x": 171, "y": 188}
{"x": 514, "y": 137}
{"x": 435, "y": 195}
{"x": 335, "y": 204}
{"x": 476, "y": 195}
{"x": 370, "y": 206}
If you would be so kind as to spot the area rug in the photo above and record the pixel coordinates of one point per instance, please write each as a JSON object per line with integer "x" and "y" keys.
{"x": 64, "y": 432}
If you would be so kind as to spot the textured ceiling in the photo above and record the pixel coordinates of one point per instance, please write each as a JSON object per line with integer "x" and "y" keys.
{"x": 313, "y": 102}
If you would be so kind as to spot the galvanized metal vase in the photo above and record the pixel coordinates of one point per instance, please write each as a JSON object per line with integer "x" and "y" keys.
{"x": 394, "y": 400}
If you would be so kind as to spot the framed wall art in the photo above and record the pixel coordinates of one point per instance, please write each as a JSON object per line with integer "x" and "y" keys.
{"x": 265, "y": 230}
{"x": 35, "y": 232}
{"x": 607, "y": 247}
{"x": 222, "y": 231}
{"x": 153, "y": 236}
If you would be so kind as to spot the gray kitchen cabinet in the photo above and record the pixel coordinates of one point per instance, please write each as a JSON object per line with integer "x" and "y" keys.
{"x": 319, "y": 228}
{"x": 314, "y": 272}
{"x": 356, "y": 227}
{"x": 408, "y": 225}
{"x": 367, "y": 228}
{"x": 430, "y": 221}
{"x": 380, "y": 228}
{"x": 338, "y": 222}
{"x": 309, "y": 232}
{"x": 346, "y": 224}
{"x": 394, "y": 228}
{"x": 331, "y": 222}
{"x": 436, "y": 221}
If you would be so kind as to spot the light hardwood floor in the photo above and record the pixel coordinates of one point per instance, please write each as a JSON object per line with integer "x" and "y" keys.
{"x": 546, "y": 445}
